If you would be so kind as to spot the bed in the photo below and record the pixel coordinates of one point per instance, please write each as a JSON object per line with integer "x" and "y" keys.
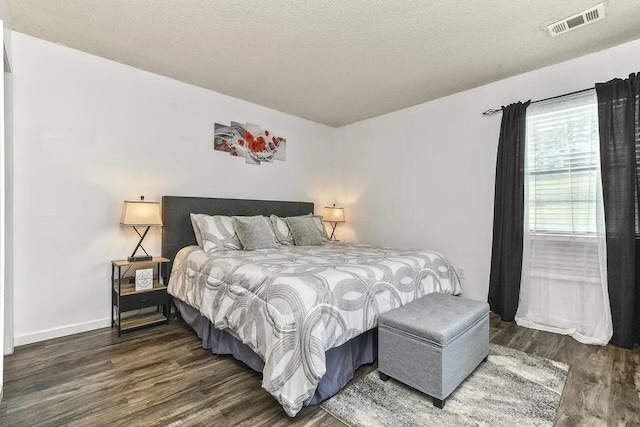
{"x": 304, "y": 316}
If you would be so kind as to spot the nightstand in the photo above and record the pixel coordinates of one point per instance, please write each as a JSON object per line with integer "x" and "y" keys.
{"x": 125, "y": 298}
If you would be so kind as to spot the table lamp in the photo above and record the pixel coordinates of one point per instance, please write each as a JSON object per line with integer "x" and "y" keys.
{"x": 141, "y": 213}
{"x": 333, "y": 216}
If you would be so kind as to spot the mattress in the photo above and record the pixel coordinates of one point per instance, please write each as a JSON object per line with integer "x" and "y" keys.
{"x": 291, "y": 304}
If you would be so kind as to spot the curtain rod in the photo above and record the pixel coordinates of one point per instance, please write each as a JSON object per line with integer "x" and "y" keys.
{"x": 491, "y": 111}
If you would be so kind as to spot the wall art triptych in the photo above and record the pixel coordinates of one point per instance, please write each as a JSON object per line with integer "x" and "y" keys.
{"x": 249, "y": 141}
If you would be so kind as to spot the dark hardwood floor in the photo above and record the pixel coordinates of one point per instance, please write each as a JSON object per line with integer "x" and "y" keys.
{"x": 162, "y": 377}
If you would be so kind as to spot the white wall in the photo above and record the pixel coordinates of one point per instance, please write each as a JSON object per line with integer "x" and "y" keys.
{"x": 8, "y": 198}
{"x": 424, "y": 176}
{"x": 6, "y": 323}
{"x": 90, "y": 133}
{"x": 8, "y": 188}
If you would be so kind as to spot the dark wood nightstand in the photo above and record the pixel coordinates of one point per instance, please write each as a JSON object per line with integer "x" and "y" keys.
{"x": 124, "y": 296}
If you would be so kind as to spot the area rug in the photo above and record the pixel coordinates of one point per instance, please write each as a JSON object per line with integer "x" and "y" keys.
{"x": 511, "y": 388}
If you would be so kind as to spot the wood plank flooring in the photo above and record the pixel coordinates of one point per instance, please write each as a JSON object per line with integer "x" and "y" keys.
{"x": 161, "y": 376}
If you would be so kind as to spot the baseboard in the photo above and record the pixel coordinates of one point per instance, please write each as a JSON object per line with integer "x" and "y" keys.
{"x": 62, "y": 331}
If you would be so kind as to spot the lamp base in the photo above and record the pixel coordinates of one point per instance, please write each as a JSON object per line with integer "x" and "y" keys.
{"x": 333, "y": 231}
{"x": 140, "y": 258}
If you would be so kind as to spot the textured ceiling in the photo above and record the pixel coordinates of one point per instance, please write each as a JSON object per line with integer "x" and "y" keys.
{"x": 330, "y": 61}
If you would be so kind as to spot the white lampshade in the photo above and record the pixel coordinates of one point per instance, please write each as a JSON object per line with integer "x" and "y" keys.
{"x": 141, "y": 213}
{"x": 333, "y": 214}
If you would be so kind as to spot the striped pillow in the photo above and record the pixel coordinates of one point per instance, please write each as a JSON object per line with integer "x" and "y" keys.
{"x": 217, "y": 232}
{"x": 282, "y": 231}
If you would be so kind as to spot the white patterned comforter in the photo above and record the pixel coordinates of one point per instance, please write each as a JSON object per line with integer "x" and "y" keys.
{"x": 292, "y": 303}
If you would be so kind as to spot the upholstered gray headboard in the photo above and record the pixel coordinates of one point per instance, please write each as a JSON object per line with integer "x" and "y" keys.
{"x": 177, "y": 231}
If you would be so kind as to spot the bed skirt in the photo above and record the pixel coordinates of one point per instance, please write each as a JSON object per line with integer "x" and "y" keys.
{"x": 341, "y": 361}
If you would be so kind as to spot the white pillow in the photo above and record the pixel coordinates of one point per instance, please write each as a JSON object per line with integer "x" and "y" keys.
{"x": 216, "y": 232}
{"x": 281, "y": 230}
{"x": 196, "y": 229}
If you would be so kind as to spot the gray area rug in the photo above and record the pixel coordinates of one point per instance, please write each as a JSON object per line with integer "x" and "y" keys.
{"x": 511, "y": 389}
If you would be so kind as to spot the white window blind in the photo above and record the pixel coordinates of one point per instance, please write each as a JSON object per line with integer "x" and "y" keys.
{"x": 562, "y": 161}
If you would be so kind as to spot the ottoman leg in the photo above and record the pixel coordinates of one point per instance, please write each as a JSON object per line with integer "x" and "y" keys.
{"x": 438, "y": 403}
{"x": 383, "y": 377}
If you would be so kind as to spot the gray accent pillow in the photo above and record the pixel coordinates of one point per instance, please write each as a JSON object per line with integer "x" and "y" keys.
{"x": 254, "y": 232}
{"x": 319, "y": 221}
{"x": 304, "y": 231}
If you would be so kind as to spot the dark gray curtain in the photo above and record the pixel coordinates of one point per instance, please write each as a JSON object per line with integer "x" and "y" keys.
{"x": 619, "y": 123}
{"x": 508, "y": 213}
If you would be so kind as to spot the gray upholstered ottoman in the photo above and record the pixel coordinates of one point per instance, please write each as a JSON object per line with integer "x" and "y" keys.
{"x": 433, "y": 343}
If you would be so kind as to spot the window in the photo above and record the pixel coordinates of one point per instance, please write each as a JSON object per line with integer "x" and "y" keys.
{"x": 561, "y": 189}
{"x": 562, "y": 160}
{"x": 564, "y": 283}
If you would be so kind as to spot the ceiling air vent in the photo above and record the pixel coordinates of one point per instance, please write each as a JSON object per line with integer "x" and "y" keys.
{"x": 596, "y": 13}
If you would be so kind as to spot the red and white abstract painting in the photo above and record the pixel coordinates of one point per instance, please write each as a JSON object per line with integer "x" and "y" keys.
{"x": 249, "y": 141}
